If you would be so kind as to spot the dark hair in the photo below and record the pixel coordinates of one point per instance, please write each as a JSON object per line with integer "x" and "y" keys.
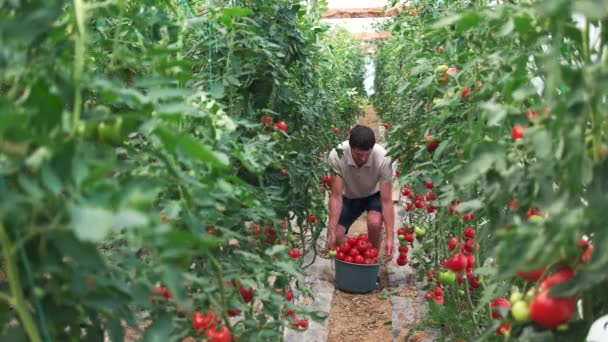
{"x": 362, "y": 137}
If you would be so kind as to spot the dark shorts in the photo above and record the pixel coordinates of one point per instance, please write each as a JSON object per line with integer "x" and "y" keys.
{"x": 352, "y": 208}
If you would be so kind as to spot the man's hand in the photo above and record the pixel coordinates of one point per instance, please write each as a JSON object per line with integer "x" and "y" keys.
{"x": 389, "y": 247}
{"x": 330, "y": 241}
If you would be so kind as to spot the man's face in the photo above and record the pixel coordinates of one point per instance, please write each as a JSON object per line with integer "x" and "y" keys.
{"x": 360, "y": 156}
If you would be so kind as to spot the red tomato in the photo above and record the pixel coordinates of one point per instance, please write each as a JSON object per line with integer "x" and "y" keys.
{"x": 295, "y": 253}
{"x": 438, "y": 292}
{"x": 282, "y": 126}
{"x": 340, "y": 256}
{"x": 408, "y": 206}
{"x": 499, "y": 302}
{"x": 353, "y": 252}
{"x": 401, "y": 262}
{"x": 349, "y": 259}
{"x": 362, "y": 246}
{"x": 221, "y": 335}
{"x": 247, "y": 294}
{"x": 531, "y": 275}
{"x": 518, "y": 132}
{"x": 469, "y": 233}
{"x": 363, "y": 237}
{"x": 200, "y": 321}
{"x": 359, "y": 259}
{"x": 327, "y": 179}
{"x": 451, "y": 71}
{"x": 403, "y": 249}
{"x": 503, "y": 328}
{"x": 401, "y": 231}
{"x": 303, "y": 323}
{"x": 409, "y": 238}
{"x": 233, "y": 312}
{"x": 345, "y": 247}
{"x": 452, "y": 243}
{"x": 560, "y": 276}
{"x": 267, "y": 120}
{"x": 457, "y": 263}
{"x": 336, "y": 129}
{"x": 312, "y": 219}
{"x": 406, "y": 192}
{"x": 163, "y": 291}
{"x": 440, "y": 49}
{"x": 470, "y": 260}
{"x": 431, "y": 146}
{"x": 352, "y": 240}
{"x": 428, "y": 184}
{"x": 465, "y": 92}
{"x": 549, "y": 312}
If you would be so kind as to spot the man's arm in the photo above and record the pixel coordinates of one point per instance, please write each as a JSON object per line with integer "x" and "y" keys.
{"x": 388, "y": 215}
{"x": 335, "y": 208}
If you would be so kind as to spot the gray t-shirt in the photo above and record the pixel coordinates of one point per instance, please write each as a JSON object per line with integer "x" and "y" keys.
{"x": 365, "y": 180}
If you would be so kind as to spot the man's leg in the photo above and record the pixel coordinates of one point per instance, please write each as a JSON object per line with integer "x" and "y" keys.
{"x": 351, "y": 210}
{"x": 374, "y": 219}
{"x": 374, "y": 227}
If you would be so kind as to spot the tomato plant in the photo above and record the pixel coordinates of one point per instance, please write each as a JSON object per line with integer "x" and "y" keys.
{"x": 141, "y": 154}
{"x": 518, "y": 161}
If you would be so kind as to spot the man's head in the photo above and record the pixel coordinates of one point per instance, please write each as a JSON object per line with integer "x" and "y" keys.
{"x": 362, "y": 141}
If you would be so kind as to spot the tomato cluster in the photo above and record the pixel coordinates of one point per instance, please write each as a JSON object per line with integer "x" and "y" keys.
{"x": 357, "y": 250}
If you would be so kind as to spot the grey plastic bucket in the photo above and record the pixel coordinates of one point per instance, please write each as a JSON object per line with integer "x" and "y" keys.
{"x": 356, "y": 278}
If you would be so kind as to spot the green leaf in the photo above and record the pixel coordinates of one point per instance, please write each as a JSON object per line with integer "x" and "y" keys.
{"x": 175, "y": 282}
{"x": 191, "y": 146}
{"x": 463, "y": 21}
{"x": 494, "y": 113}
{"x": 237, "y": 11}
{"x": 276, "y": 249}
{"x": 476, "y": 168}
{"x": 507, "y": 28}
{"x": 50, "y": 180}
{"x": 91, "y": 224}
{"x": 95, "y": 223}
{"x": 160, "y": 330}
{"x": 542, "y": 144}
{"x": 30, "y": 187}
{"x": 84, "y": 254}
{"x": 217, "y": 89}
{"x": 471, "y": 205}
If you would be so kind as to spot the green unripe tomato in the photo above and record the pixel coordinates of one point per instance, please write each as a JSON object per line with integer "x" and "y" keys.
{"x": 419, "y": 231}
{"x": 516, "y": 297}
{"x": 520, "y": 311}
{"x": 447, "y": 277}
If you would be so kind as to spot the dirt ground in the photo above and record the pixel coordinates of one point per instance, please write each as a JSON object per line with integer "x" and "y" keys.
{"x": 361, "y": 317}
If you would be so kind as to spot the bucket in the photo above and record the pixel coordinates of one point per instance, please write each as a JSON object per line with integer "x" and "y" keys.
{"x": 356, "y": 278}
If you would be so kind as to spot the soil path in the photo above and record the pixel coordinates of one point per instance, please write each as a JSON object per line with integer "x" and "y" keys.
{"x": 362, "y": 317}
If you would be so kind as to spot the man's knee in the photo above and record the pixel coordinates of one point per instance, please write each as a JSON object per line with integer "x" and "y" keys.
{"x": 374, "y": 221}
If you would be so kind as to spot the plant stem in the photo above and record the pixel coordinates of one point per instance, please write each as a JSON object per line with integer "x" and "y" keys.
{"x": 79, "y": 49}
{"x": 220, "y": 280}
{"x": 16, "y": 288}
{"x": 7, "y": 298}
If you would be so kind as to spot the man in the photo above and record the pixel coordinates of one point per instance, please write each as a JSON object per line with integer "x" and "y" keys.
{"x": 362, "y": 181}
